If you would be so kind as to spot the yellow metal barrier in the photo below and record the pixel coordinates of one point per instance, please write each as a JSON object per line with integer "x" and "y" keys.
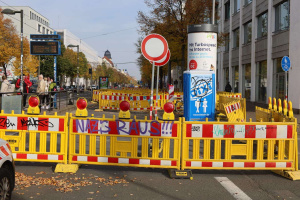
{"x": 137, "y": 143}
{"x": 262, "y": 115}
{"x": 33, "y": 138}
{"x": 96, "y": 95}
{"x": 234, "y": 111}
{"x": 223, "y": 99}
{"x": 216, "y": 145}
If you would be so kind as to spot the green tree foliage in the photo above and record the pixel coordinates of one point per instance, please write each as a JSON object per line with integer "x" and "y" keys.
{"x": 170, "y": 18}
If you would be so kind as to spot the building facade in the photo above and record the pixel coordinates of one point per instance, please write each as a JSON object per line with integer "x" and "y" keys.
{"x": 33, "y": 22}
{"x": 258, "y": 34}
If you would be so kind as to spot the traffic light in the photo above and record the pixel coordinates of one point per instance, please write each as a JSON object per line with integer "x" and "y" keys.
{"x": 90, "y": 70}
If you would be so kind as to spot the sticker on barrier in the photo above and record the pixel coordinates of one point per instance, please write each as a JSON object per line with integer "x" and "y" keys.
{"x": 138, "y": 143}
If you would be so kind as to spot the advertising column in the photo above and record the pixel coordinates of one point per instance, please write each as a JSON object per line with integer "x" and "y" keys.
{"x": 199, "y": 85}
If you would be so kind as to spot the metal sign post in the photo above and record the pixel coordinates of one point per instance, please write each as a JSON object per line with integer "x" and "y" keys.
{"x": 157, "y": 77}
{"x": 286, "y": 65}
{"x": 55, "y": 70}
{"x": 152, "y": 83}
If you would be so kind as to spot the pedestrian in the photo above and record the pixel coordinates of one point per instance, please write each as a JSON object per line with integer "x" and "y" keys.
{"x": 46, "y": 94}
{"x": 41, "y": 90}
{"x": 5, "y": 86}
{"x": 52, "y": 89}
{"x": 228, "y": 87}
{"x": 26, "y": 87}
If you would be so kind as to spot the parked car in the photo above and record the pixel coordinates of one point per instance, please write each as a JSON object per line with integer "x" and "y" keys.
{"x": 7, "y": 171}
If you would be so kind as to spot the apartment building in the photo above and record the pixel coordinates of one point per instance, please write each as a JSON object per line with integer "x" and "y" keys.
{"x": 258, "y": 34}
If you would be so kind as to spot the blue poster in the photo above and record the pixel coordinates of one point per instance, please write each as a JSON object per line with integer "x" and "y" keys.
{"x": 199, "y": 95}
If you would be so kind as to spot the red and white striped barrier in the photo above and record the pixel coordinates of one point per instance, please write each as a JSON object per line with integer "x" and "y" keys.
{"x": 276, "y": 165}
{"x": 124, "y": 160}
{"x": 165, "y": 129}
{"x": 41, "y": 157}
{"x": 239, "y": 131}
{"x": 32, "y": 123}
{"x": 233, "y": 107}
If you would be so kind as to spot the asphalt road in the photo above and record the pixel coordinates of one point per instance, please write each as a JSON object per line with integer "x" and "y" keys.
{"x": 108, "y": 182}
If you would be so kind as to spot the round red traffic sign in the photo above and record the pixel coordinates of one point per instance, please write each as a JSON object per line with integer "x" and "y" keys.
{"x": 163, "y": 61}
{"x": 193, "y": 65}
{"x": 154, "y": 47}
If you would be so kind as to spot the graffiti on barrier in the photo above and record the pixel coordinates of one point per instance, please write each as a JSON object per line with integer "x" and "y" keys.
{"x": 119, "y": 127}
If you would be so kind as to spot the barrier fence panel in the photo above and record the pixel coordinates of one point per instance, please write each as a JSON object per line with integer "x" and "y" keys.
{"x": 262, "y": 114}
{"x": 36, "y": 138}
{"x": 217, "y": 145}
{"x": 138, "y": 143}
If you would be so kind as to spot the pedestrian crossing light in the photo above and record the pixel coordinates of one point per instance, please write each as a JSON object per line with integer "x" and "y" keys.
{"x": 81, "y": 107}
{"x": 33, "y": 108}
{"x": 124, "y": 110}
{"x": 168, "y": 112}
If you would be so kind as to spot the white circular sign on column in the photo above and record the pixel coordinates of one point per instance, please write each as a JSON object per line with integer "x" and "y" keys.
{"x": 202, "y": 50}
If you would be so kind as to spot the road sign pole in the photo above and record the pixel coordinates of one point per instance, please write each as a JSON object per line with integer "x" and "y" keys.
{"x": 55, "y": 80}
{"x": 286, "y": 86}
{"x": 156, "y": 91}
{"x": 152, "y": 84}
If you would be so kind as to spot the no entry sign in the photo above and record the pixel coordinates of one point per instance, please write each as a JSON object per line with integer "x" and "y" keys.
{"x": 154, "y": 47}
{"x": 163, "y": 61}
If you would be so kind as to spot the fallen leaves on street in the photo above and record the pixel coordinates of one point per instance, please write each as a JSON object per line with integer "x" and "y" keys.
{"x": 65, "y": 184}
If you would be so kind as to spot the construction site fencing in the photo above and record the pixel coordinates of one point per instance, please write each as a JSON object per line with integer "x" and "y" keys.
{"x": 217, "y": 145}
{"x": 36, "y": 138}
{"x": 137, "y": 143}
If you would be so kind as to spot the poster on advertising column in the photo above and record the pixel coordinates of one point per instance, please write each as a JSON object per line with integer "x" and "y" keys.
{"x": 202, "y": 51}
{"x": 103, "y": 82}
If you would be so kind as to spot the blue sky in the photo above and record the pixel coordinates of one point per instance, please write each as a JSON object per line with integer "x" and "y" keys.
{"x": 86, "y": 18}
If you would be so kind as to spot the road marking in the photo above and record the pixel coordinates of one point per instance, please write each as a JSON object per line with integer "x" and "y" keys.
{"x": 234, "y": 190}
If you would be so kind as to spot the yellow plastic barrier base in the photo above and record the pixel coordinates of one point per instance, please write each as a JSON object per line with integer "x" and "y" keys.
{"x": 33, "y": 110}
{"x": 182, "y": 174}
{"x": 168, "y": 116}
{"x": 66, "y": 168}
{"x": 98, "y": 110}
{"x": 124, "y": 115}
{"x": 81, "y": 113}
{"x": 293, "y": 175}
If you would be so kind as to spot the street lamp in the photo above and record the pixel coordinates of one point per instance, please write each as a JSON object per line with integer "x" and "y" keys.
{"x": 71, "y": 46}
{"x": 12, "y": 12}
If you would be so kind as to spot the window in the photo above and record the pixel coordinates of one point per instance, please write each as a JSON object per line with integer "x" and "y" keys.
{"x": 227, "y": 42}
{"x": 262, "y": 80}
{"x": 235, "y": 76}
{"x": 247, "y": 32}
{"x": 51, "y": 32}
{"x": 30, "y": 15}
{"x": 43, "y": 30}
{"x": 227, "y": 10}
{"x": 237, "y": 6}
{"x": 282, "y": 16}
{"x": 236, "y": 38}
{"x": 47, "y": 31}
{"x": 247, "y": 81}
{"x": 262, "y": 29}
{"x": 39, "y": 28}
{"x": 247, "y": 2}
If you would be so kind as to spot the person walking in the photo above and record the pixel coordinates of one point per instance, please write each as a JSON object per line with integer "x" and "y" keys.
{"x": 228, "y": 87}
{"x": 46, "y": 94}
{"x": 4, "y": 86}
{"x": 41, "y": 90}
{"x": 52, "y": 89}
{"x": 26, "y": 86}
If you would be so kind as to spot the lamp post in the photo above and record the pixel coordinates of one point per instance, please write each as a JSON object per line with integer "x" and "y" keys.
{"x": 12, "y": 12}
{"x": 71, "y": 45}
